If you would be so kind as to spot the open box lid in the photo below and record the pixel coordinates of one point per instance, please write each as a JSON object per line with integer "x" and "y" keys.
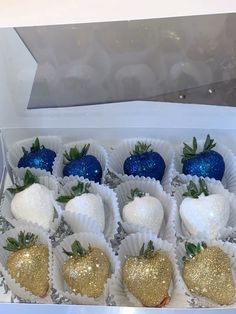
{"x": 85, "y": 52}
{"x": 19, "y": 60}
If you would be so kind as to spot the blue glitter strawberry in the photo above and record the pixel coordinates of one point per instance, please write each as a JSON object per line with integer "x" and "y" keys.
{"x": 38, "y": 157}
{"x": 78, "y": 163}
{"x": 207, "y": 163}
{"x": 145, "y": 162}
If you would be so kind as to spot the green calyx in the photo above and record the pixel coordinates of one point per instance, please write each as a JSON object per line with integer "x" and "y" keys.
{"x": 35, "y": 147}
{"x": 148, "y": 252}
{"x": 192, "y": 249}
{"x": 74, "y": 153}
{"x": 76, "y": 190}
{"x": 77, "y": 250}
{"x": 29, "y": 179}
{"x": 24, "y": 240}
{"x": 190, "y": 152}
{"x": 194, "y": 192}
{"x": 135, "y": 193}
{"x": 141, "y": 148}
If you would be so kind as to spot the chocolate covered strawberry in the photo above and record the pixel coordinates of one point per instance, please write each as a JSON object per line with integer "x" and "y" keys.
{"x": 80, "y": 163}
{"x": 143, "y": 161}
{"x": 148, "y": 276}
{"x": 28, "y": 263}
{"x": 38, "y": 157}
{"x": 83, "y": 202}
{"x": 144, "y": 210}
{"x": 206, "y": 163}
{"x": 32, "y": 201}
{"x": 207, "y": 273}
{"x": 86, "y": 270}
{"x": 203, "y": 213}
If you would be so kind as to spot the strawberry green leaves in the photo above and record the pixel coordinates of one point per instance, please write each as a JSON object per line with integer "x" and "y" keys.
{"x": 76, "y": 190}
{"x": 29, "y": 179}
{"x": 24, "y": 240}
{"x": 190, "y": 152}
{"x": 74, "y": 153}
{"x": 194, "y": 191}
{"x": 135, "y": 193}
{"x": 77, "y": 250}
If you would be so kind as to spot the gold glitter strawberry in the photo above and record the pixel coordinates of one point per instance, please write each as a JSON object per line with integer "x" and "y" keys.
{"x": 86, "y": 271}
{"x": 28, "y": 264}
{"x": 148, "y": 276}
{"x": 207, "y": 273}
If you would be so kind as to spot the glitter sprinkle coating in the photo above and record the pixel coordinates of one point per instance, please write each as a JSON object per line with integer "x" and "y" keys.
{"x": 41, "y": 159}
{"x": 148, "y": 164}
{"x": 148, "y": 279}
{"x": 29, "y": 267}
{"x": 208, "y": 164}
{"x": 87, "y": 274}
{"x": 209, "y": 274}
{"x": 87, "y": 166}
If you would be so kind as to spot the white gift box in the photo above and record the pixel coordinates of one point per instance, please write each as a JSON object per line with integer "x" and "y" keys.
{"x": 108, "y": 124}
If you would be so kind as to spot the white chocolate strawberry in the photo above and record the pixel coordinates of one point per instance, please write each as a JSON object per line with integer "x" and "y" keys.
{"x": 35, "y": 204}
{"x": 144, "y": 210}
{"x": 88, "y": 204}
{"x": 205, "y": 214}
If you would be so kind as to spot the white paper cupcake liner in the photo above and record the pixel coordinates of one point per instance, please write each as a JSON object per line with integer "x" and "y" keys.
{"x": 51, "y": 183}
{"x": 82, "y": 223}
{"x": 214, "y": 187}
{"x": 95, "y": 149}
{"x": 153, "y": 188}
{"x": 229, "y": 178}
{"x": 15, "y": 287}
{"x": 15, "y": 153}
{"x": 131, "y": 246}
{"x": 122, "y": 151}
{"x": 227, "y": 247}
{"x": 85, "y": 239}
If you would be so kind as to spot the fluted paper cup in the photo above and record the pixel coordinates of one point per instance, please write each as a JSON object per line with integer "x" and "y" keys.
{"x": 122, "y": 151}
{"x": 95, "y": 149}
{"x": 227, "y": 247}
{"x": 86, "y": 239}
{"x": 214, "y": 187}
{"x": 15, "y": 287}
{"x": 15, "y": 153}
{"x": 229, "y": 178}
{"x": 131, "y": 246}
{"x": 84, "y": 223}
{"x": 152, "y": 188}
{"x": 51, "y": 183}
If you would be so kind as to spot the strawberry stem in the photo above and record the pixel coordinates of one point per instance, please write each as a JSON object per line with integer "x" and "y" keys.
{"x": 141, "y": 148}
{"x": 135, "y": 193}
{"x": 77, "y": 250}
{"x": 76, "y": 190}
{"x": 148, "y": 252}
{"x": 74, "y": 153}
{"x": 194, "y": 192}
{"x": 25, "y": 240}
{"x": 36, "y": 146}
{"x": 190, "y": 152}
{"x": 192, "y": 249}
{"x": 29, "y": 179}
